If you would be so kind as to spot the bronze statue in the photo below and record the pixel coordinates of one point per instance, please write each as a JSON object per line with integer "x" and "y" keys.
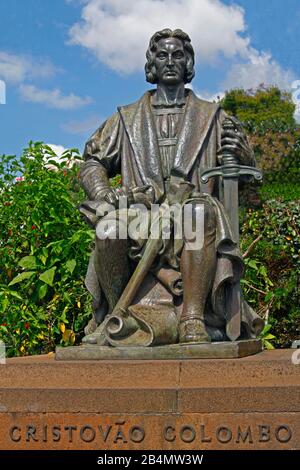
{"x": 170, "y": 147}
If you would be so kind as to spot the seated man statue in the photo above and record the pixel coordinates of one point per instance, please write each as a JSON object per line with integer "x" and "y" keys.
{"x": 161, "y": 292}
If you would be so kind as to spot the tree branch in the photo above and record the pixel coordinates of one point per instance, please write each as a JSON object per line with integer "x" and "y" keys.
{"x": 249, "y": 249}
{"x": 255, "y": 288}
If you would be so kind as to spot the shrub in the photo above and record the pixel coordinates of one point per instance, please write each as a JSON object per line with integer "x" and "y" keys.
{"x": 272, "y": 278}
{"x": 268, "y": 117}
{"x": 44, "y": 249}
{"x": 265, "y": 104}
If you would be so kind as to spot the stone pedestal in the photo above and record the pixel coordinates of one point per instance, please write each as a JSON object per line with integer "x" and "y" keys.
{"x": 247, "y": 403}
{"x": 224, "y": 350}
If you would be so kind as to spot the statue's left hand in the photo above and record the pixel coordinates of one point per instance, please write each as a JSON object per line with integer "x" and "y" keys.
{"x": 143, "y": 195}
{"x": 115, "y": 194}
{"x": 179, "y": 190}
{"x": 234, "y": 140}
{"x": 137, "y": 195}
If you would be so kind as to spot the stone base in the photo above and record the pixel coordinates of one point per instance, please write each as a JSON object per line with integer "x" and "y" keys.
{"x": 247, "y": 403}
{"x": 229, "y": 350}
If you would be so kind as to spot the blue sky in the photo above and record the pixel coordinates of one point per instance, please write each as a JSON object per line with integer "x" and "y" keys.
{"x": 68, "y": 64}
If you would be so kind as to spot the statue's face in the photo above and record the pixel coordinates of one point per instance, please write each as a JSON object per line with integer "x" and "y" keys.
{"x": 170, "y": 61}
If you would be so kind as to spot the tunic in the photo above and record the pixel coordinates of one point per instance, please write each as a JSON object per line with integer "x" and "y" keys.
{"x": 167, "y": 123}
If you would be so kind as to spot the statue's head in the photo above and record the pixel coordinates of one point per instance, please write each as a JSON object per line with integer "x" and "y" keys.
{"x": 170, "y": 57}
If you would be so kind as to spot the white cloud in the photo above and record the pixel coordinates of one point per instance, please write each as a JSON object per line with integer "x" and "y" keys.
{"x": 297, "y": 116}
{"x": 295, "y": 87}
{"x": 204, "y": 95}
{"x": 57, "y": 149}
{"x": 260, "y": 68}
{"x": 18, "y": 68}
{"x": 84, "y": 126}
{"x": 117, "y": 31}
{"x": 52, "y": 98}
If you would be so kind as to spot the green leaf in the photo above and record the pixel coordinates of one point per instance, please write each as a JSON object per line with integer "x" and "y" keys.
{"x": 28, "y": 262}
{"x": 43, "y": 291}
{"x": 43, "y": 259}
{"x": 70, "y": 265}
{"x": 266, "y": 329}
{"x": 263, "y": 271}
{"x": 269, "y": 296}
{"x": 252, "y": 263}
{"x": 5, "y": 303}
{"x": 15, "y": 294}
{"x": 44, "y": 255}
{"x": 67, "y": 297}
{"x": 53, "y": 162}
{"x": 268, "y": 345}
{"x": 21, "y": 277}
{"x": 66, "y": 199}
{"x": 269, "y": 337}
{"x": 48, "y": 276}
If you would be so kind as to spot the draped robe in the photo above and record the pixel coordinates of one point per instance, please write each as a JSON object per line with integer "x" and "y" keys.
{"x": 127, "y": 144}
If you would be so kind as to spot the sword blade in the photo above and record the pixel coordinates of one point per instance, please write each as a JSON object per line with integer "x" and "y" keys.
{"x": 231, "y": 203}
{"x": 233, "y": 313}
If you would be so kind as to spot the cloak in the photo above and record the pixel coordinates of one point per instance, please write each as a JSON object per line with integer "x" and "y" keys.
{"x": 127, "y": 144}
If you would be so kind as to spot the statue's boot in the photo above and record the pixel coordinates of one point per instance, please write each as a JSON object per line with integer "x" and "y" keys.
{"x": 193, "y": 331}
{"x": 198, "y": 268}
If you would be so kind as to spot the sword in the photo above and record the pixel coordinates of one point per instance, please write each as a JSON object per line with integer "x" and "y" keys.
{"x": 230, "y": 172}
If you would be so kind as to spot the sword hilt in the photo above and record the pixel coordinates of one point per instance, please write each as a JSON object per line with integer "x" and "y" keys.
{"x": 231, "y": 169}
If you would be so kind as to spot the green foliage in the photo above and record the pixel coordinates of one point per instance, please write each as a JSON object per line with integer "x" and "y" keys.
{"x": 282, "y": 191}
{"x": 267, "y": 337}
{"x": 272, "y": 279}
{"x": 44, "y": 249}
{"x": 271, "y": 283}
{"x": 268, "y": 105}
{"x": 268, "y": 117}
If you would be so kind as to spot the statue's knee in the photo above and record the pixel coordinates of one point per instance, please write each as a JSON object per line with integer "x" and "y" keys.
{"x": 203, "y": 213}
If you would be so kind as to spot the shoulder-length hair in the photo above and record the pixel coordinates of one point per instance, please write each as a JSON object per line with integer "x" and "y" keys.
{"x": 150, "y": 69}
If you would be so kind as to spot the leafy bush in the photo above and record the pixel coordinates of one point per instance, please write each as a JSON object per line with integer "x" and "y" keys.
{"x": 272, "y": 210}
{"x": 272, "y": 279}
{"x": 281, "y": 191}
{"x": 268, "y": 117}
{"x": 266, "y": 104}
{"x": 44, "y": 249}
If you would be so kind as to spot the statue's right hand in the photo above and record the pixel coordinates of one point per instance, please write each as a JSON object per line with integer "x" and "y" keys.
{"x": 105, "y": 194}
{"x": 111, "y": 197}
{"x": 108, "y": 195}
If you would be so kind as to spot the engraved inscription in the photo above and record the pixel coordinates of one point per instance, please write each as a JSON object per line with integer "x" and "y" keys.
{"x": 120, "y": 433}
{"x": 225, "y": 434}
